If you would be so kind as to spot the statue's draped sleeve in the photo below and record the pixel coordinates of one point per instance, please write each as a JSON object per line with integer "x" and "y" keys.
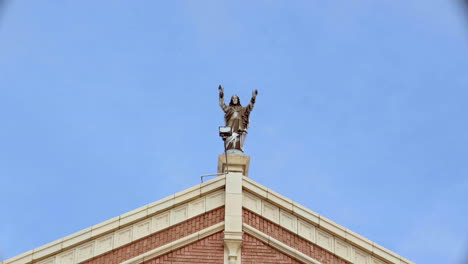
{"x": 223, "y": 105}
{"x": 246, "y": 113}
{"x": 250, "y": 107}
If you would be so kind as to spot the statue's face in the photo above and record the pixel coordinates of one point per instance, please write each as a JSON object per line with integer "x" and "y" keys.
{"x": 235, "y": 99}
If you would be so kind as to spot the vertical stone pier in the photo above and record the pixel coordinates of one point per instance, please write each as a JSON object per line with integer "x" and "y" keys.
{"x": 237, "y": 166}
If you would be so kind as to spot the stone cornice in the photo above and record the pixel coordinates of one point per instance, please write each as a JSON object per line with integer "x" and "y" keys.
{"x": 314, "y": 227}
{"x": 172, "y": 207}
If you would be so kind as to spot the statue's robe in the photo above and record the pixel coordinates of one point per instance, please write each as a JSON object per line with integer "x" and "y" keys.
{"x": 237, "y": 117}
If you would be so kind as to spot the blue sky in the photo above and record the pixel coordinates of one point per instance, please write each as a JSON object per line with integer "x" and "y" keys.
{"x": 106, "y": 106}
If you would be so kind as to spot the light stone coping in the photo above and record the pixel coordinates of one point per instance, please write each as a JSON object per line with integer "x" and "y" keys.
{"x": 128, "y": 227}
{"x": 176, "y": 244}
{"x": 314, "y": 227}
{"x": 138, "y": 230}
{"x": 289, "y": 251}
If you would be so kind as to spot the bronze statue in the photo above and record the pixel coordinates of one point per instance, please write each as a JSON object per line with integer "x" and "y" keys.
{"x": 237, "y": 117}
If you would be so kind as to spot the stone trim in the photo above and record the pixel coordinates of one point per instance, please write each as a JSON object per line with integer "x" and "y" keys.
{"x": 314, "y": 227}
{"x": 291, "y": 239}
{"x": 130, "y": 226}
{"x": 208, "y": 250}
{"x": 176, "y": 244}
{"x": 294, "y": 253}
{"x": 139, "y": 230}
{"x": 159, "y": 239}
{"x": 256, "y": 251}
{"x": 233, "y": 219}
{"x": 236, "y": 164}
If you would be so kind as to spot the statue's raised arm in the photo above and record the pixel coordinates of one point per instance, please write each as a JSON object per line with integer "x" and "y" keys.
{"x": 221, "y": 98}
{"x": 252, "y": 100}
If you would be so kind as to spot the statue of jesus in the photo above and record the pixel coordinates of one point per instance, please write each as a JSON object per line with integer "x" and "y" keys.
{"x": 237, "y": 117}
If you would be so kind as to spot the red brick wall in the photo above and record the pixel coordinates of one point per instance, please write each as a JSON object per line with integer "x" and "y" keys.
{"x": 161, "y": 238}
{"x": 209, "y": 250}
{"x": 255, "y": 251}
{"x": 291, "y": 239}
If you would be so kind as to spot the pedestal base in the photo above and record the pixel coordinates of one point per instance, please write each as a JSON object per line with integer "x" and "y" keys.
{"x": 235, "y": 163}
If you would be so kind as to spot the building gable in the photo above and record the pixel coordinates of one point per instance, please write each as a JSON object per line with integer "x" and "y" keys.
{"x": 252, "y": 220}
{"x": 313, "y": 227}
{"x": 130, "y": 227}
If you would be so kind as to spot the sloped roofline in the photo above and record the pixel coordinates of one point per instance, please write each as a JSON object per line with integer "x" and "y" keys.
{"x": 256, "y": 198}
{"x": 118, "y": 222}
{"x": 290, "y": 208}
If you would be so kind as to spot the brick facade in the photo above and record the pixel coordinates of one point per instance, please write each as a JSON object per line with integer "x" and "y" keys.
{"x": 255, "y": 251}
{"x": 161, "y": 238}
{"x": 291, "y": 239}
{"x": 209, "y": 250}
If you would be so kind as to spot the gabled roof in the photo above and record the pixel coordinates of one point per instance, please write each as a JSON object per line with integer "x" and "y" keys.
{"x": 129, "y": 227}
{"x": 313, "y": 227}
{"x": 198, "y": 200}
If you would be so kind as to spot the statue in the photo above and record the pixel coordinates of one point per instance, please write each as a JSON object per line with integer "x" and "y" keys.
{"x": 237, "y": 117}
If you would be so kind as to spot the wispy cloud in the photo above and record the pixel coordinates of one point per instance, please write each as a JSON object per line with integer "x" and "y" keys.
{"x": 3, "y": 5}
{"x": 464, "y": 4}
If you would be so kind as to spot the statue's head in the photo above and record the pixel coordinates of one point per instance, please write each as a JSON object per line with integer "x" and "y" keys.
{"x": 235, "y": 100}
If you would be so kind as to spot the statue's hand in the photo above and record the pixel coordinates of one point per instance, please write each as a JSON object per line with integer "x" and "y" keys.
{"x": 221, "y": 91}
{"x": 254, "y": 93}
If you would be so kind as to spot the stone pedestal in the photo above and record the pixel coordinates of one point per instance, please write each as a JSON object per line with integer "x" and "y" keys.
{"x": 235, "y": 163}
